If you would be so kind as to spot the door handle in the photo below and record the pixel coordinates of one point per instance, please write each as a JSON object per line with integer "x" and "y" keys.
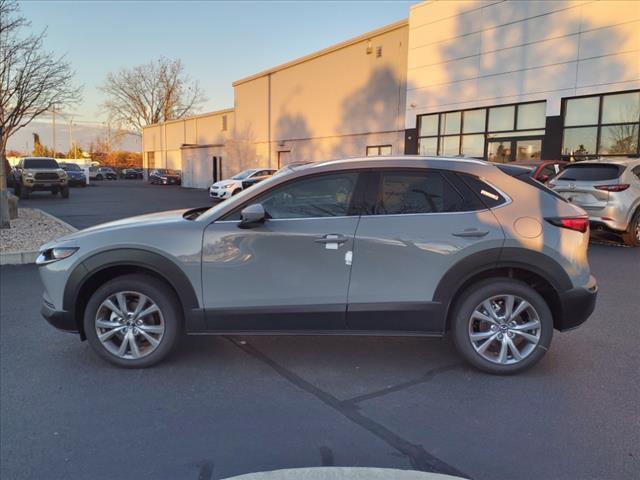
{"x": 331, "y": 238}
{"x": 471, "y": 233}
{"x": 331, "y": 241}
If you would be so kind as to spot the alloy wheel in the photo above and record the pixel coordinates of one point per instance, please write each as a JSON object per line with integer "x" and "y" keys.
{"x": 504, "y": 329}
{"x": 129, "y": 325}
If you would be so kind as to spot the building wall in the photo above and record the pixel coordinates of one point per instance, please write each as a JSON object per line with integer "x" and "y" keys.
{"x": 326, "y": 106}
{"x": 464, "y": 54}
{"x": 163, "y": 142}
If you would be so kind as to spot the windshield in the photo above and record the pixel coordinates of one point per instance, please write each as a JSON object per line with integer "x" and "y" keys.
{"x": 40, "y": 163}
{"x": 243, "y": 175}
{"x": 591, "y": 172}
{"x": 70, "y": 167}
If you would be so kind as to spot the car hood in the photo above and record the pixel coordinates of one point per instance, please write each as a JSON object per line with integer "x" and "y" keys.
{"x": 139, "y": 221}
{"x": 224, "y": 183}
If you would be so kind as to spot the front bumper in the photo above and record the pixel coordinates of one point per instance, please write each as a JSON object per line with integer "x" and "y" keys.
{"x": 220, "y": 194}
{"x": 60, "y": 319}
{"x": 577, "y": 305}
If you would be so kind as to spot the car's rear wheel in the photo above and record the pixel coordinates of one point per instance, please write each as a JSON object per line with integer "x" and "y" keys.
{"x": 133, "y": 321}
{"x": 632, "y": 236}
{"x": 502, "y": 326}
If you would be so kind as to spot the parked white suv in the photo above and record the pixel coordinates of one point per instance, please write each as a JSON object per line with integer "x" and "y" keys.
{"x": 227, "y": 188}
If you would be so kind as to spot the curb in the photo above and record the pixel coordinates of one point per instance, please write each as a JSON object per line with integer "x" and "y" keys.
{"x": 25, "y": 258}
{"x": 344, "y": 473}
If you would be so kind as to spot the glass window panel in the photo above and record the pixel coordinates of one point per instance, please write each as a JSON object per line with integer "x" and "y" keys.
{"x": 621, "y": 108}
{"x": 473, "y": 145}
{"x": 428, "y": 125}
{"x": 385, "y": 150}
{"x": 450, "y": 123}
{"x": 499, "y": 152}
{"x": 528, "y": 150}
{"x": 618, "y": 139}
{"x": 325, "y": 196}
{"x": 373, "y": 151}
{"x": 582, "y": 111}
{"x": 532, "y": 115}
{"x": 523, "y": 133}
{"x": 474, "y": 121}
{"x": 407, "y": 193}
{"x": 579, "y": 141}
{"x": 501, "y": 118}
{"x": 428, "y": 146}
{"x": 450, "y": 145}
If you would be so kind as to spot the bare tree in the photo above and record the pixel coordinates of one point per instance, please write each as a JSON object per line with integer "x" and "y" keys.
{"x": 32, "y": 81}
{"x": 151, "y": 93}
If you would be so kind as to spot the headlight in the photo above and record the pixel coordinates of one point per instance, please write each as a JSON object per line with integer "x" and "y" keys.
{"x": 29, "y": 174}
{"x": 54, "y": 254}
{"x": 62, "y": 173}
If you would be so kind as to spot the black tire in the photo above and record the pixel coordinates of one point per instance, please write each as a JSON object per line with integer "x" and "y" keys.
{"x": 54, "y": 191}
{"x": 236, "y": 191}
{"x": 632, "y": 236}
{"x": 473, "y": 297}
{"x": 164, "y": 298}
{"x": 24, "y": 192}
{"x": 16, "y": 190}
{"x": 99, "y": 177}
{"x": 64, "y": 192}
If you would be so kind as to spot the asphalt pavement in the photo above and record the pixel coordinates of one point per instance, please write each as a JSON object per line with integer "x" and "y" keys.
{"x": 223, "y": 406}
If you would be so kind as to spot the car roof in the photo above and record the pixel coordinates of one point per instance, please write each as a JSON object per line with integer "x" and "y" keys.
{"x": 403, "y": 161}
{"x": 38, "y": 158}
{"x": 626, "y": 161}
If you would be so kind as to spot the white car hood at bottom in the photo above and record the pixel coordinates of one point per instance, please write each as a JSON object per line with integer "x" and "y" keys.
{"x": 226, "y": 183}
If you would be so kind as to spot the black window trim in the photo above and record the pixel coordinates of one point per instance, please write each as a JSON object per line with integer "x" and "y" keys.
{"x": 598, "y": 126}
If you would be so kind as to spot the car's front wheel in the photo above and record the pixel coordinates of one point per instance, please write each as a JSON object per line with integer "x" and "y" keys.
{"x": 502, "y": 326}
{"x": 133, "y": 321}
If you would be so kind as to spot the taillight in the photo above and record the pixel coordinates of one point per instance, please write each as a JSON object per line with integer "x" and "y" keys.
{"x": 579, "y": 224}
{"x": 618, "y": 187}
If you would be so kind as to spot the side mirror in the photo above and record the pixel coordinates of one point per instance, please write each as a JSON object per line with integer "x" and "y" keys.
{"x": 252, "y": 216}
{"x": 543, "y": 178}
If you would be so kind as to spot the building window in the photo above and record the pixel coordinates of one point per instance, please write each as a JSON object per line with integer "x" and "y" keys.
{"x": 224, "y": 123}
{"x": 377, "y": 150}
{"x": 465, "y": 132}
{"x": 601, "y": 125}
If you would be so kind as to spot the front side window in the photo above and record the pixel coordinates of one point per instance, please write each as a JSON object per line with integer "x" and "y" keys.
{"x": 416, "y": 192}
{"x": 318, "y": 196}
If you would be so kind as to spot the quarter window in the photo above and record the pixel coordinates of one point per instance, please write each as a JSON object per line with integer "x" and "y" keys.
{"x": 416, "y": 192}
{"x": 319, "y": 196}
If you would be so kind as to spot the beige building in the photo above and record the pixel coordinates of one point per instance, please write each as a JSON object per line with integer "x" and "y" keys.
{"x": 346, "y": 100}
{"x": 503, "y": 81}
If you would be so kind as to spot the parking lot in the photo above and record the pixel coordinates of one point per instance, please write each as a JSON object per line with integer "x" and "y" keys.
{"x": 223, "y": 406}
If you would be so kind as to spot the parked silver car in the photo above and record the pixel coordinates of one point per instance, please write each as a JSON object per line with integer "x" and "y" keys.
{"x": 609, "y": 190}
{"x": 393, "y": 246}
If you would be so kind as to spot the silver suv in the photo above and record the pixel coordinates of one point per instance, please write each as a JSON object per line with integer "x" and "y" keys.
{"x": 394, "y": 246}
{"x": 609, "y": 190}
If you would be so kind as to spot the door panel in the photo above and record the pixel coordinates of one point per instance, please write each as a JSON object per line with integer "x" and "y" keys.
{"x": 400, "y": 256}
{"x": 267, "y": 277}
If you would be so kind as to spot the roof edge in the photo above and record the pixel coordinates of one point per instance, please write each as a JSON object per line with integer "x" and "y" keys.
{"x": 199, "y": 115}
{"x": 338, "y": 46}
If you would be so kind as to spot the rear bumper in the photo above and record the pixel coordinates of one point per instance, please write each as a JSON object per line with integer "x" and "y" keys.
{"x": 60, "y": 319}
{"x": 577, "y": 305}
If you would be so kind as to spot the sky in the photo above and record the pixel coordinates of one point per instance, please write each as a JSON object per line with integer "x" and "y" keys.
{"x": 218, "y": 42}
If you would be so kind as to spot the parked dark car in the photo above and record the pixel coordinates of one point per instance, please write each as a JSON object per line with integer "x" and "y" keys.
{"x": 108, "y": 173}
{"x": 164, "y": 176}
{"x": 542, "y": 170}
{"x": 76, "y": 175}
{"x": 131, "y": 174}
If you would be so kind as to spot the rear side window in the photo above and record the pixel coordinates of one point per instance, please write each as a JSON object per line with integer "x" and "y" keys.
{"x": 489, "y": 196}
{"x": 591, "y": 172}
{"x": 40, "y": 163}
{"x": 416, "y": 192}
